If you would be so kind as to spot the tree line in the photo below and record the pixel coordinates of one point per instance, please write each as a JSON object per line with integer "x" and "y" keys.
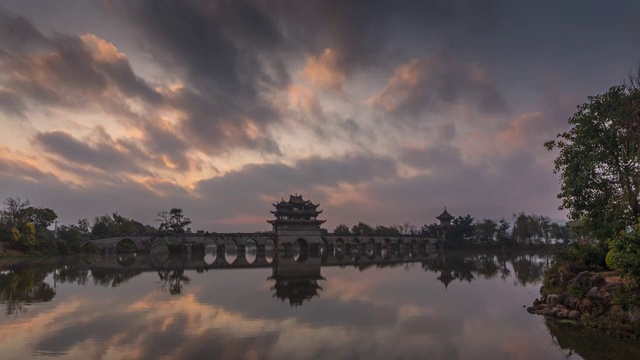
{"x": 27, "y": 229}
{"x": 523, "y": 229}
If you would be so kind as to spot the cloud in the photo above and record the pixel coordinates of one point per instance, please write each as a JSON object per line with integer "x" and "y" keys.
{"x": 323, "y": 71}
{"x": 435, "y": 84}
{"x": 105, "y": 154}
{"x": 12, "y": 103}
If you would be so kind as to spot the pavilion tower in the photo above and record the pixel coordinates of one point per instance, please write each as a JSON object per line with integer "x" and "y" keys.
{"x": 445, "y": 223}
{"x": 296, "y": 221}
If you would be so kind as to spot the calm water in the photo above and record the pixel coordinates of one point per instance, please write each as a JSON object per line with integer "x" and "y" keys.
{"x": 438, "y": 306}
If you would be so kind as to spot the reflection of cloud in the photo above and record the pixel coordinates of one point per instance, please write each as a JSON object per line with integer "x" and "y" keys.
{"x": 18, "y": 335}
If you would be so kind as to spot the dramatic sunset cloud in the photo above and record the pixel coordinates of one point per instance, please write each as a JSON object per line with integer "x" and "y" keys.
{"x": 382, "y": 112}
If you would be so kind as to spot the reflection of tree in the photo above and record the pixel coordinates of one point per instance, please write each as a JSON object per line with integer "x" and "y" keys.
{"x": 24, "y": 286}
{"x": 463, "y": 266}
{"x": 527, "y": 271}
{"x": 589, "y": 344}
{"x": 114, "y": 278}
{"x": 173, "y": 279}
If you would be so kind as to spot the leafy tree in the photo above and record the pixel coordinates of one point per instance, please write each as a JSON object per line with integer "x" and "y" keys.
{"x": 382, "y": 230}
{"x": 362, "y": 229}
{"x": 599, "y": 161}
{"x": 624, "y": 254}
{"x": 429, "y": 230}
{"x": 486, "y": 230}
{"x": 40, "y": 217}
{"x": 173, "y": 220}
{"x": 460, "y": 232}
{"x": 502, "y": 235}
{"x": 342, "y": 229}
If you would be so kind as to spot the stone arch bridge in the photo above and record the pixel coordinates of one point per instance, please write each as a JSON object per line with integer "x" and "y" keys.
{"x": 239, "y": 241}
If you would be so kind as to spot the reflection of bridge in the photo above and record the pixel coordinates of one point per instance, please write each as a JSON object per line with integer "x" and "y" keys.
{"x": 233, "y": 259}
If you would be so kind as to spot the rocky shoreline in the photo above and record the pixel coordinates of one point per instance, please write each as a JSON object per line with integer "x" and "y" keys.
{"x": 598, "y": 300}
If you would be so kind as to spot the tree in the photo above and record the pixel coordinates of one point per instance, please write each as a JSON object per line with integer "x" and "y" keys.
{"x": 460, "y": 232}
{"x": 342, "y": 230}
{"x": 362, "y": 229}
{"x": 42, "y": 218}
{"x": 173, "y": 220}
{"x": 13, "y": 211}
{"x": 502, "y": 235}
{"x": 599, "y": 161}
{"x": 486, "y": 230}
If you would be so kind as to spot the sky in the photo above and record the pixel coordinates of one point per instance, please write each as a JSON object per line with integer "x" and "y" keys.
{"x": 382, "y": 112}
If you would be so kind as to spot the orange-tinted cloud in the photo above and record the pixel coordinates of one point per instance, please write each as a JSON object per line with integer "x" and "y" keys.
{"x": 324, "y": 72}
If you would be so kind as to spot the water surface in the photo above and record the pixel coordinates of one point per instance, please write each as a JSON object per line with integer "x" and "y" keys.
{"x": 437, "y": 306}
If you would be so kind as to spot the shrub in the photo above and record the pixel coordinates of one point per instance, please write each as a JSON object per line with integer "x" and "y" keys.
{"x": 581, "y": 257}
{"x": 624, "y": 254}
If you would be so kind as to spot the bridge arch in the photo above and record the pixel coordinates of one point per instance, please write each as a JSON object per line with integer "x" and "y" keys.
{"x": 302, "y": 247}
{"x": 159, "y": 246}
{"x": 230, "y": 250}
{"x": 126, "y": 245}
{"x": 90, "y": 247}
{"x": 355, "y": 243}
{"x": 210, "y": 253}
{"x": 250, "y": 250}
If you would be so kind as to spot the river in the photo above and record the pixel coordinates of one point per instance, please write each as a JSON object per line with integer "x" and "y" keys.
{"x": 453, "y": 305}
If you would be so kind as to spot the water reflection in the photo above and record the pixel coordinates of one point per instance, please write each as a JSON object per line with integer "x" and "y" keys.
{"x": 346, "y": 302}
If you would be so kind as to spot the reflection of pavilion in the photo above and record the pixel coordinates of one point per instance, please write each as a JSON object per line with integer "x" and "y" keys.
{"x": 296, "y": 281}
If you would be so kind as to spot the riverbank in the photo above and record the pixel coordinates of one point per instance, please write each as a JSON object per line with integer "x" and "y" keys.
{"x": 596, "y": 299}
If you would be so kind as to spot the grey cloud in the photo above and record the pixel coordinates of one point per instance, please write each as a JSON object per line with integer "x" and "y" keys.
{"x": 102, "y": 155}
{"x": 229, "y": 52}
{"x": 12, "y": 103}
{"x": 17, "y": 33}
{"x": 277, "y": 179}
{"x": 440, "y": 157}
{"x": 435, "y": 84}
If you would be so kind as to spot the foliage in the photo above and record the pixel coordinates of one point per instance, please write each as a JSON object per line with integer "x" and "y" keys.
{"x": 342, "y": 229}
{"x": 40, "y": 217}
{"x": 580, "y": 256}
{"x": 461, "y": 232}
{"x": 627, "y": 297}
{"x": 362, "y": 229}
{"x": 115, "y": 224}
{"x": 624, "y": 254}
{"x": 173, "y": 221}
{"x": 599, "y": 162}
{"x": 485, "y": 231}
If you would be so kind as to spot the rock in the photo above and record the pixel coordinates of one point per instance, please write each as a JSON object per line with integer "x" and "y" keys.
{"x": 565, "y": 276}
{"x": 634, "y": 316}
{"x": 562, "y": 298}
{"x": 545, "y": 311}
{"x": 594, "y": 294}
{"x": 617, "y": 314}
{"x": 597, "y": 281}
{"x": 573, "y": 304}
{"x": 552, "y": 299}
{"x": 536, "y": 302}
{"x": 567, "y": 300}
{"x": 557, "y": 309}
{"x": 573, "y": 314}
{"x": 582, "y": 278}
{"x": 563, "y": 313}
{"x": 585, "y": 306}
